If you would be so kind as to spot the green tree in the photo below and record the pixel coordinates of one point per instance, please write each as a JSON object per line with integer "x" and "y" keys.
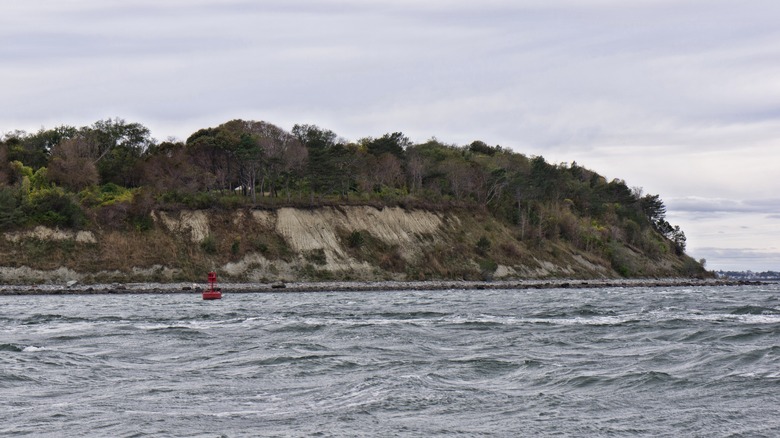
{"x": 395, "y": 144}
{"x": 213, "y": 151}
{"x": 251, "y": 156}
{"x": 325, "y": 158}
{"x": 654, "y": 209}
{"x": 33, "y": 149}
{"x": 480, "y": 147}
{"x": 115, "y": 147}
{"x": 11, "y": 213}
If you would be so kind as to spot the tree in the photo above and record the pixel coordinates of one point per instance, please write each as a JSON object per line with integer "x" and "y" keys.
{"x": 294, "y": 160}
{"x": 115, "y": 147}
{"x": 324, "y": 157}
{"x": 480, "y": 147}
{"x": 33, "y": 149}
{"x": 544, "y": 180}
{"x": 169, "y": 166}
{"x": 10, "y": 212}
{"x": 493, "y": 186}
{"x": 282, "y": 153}
{"x": 460, "y": 176}
{"x": 376, "y": 173}
{"x": 654, "y": 208}
{"x": 395, "y": 144}
{"x": 415, "y": 167}
{"x": 213, "y": 151}
{"x": 389, "y": 172}
{"x": 6, "y": 172}
{"x": 678, "y": 238}
{"x": 314, "y": 137}
{"x": 71, "y": 165}
{"x": 251, "y": 155}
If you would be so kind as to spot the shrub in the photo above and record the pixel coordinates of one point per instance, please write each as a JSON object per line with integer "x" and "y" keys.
{"x": 356, "y": 239}
{"x": 140, "y": 213}
{"x": 53, "y": 207}
{"x": 487, "y": 268}
{"x": 113, "y": 215}
{"x": 483, "y": 245}
{"x": 209, "y": 244}
{"x": 392, "y": 261}
{"x": 10, "y": 213}
{"x": 316, "y": 256}
{"x": 510, "y": 250}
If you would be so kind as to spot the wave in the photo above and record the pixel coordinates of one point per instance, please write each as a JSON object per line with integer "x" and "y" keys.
{"x": 755, "y": 310}
{"x": 19, "y": 349}
{"x": 299, "y": 327}
{"x": 752, "y": 333}
{"x": 11, "y": 347}
{"x": 478, "y": 325}
{"x": 290, "y": 359}
{"x": 584, "y": 310}
{"x": 487, "y": 365}
{"x": 411, "y": 315}
{"x": 46, "y": 318}
{"x": 631, "y": 381}
{"x": 12, "y": 379}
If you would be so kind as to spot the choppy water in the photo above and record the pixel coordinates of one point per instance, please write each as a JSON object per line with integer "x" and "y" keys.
{"x": 601, "y": 362}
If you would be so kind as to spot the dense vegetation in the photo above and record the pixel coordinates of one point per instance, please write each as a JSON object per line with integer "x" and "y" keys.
{"x": 112, "y": 174}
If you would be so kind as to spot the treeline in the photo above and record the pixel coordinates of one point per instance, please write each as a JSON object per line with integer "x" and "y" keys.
{"x": 749, "y": 275}
{"x": 112, "y": 174}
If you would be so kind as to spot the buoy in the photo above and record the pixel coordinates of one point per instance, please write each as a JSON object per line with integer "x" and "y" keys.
{"x": 213, "y": 292}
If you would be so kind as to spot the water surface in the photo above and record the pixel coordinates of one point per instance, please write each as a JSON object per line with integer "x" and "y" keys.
{"x": 702, "y": 361}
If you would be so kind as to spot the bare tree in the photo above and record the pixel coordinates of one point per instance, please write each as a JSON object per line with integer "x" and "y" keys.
{"x": 170, "y": 167}
{"x": 71, "y": 164}
{"x": 415, "y": 166}
{"x": 388, "y": 170}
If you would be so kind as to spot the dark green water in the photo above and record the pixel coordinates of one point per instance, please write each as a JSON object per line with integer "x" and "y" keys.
{"x": 671, "y": 362}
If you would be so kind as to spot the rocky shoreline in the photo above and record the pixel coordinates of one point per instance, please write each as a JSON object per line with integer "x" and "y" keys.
{"x": 73, "y": 288}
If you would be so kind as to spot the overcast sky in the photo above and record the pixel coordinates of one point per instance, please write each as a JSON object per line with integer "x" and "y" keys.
{"x": 679, "y": 97}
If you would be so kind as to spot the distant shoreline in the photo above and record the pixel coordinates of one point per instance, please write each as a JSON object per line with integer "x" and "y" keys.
{"x": 358, "y": 286}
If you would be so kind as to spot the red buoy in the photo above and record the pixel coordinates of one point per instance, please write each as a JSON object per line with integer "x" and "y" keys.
{"x": 213, "y": 292}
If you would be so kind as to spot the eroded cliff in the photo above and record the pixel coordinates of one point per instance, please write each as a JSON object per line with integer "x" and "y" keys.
{"x": 326, "y": 243}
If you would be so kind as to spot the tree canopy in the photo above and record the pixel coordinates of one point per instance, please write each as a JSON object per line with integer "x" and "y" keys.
{"x": 114, "y": 171}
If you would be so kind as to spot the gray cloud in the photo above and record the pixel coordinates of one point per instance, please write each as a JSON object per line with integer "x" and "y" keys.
{"x": 735, "y": 259}
{"x": 770, "y": 207}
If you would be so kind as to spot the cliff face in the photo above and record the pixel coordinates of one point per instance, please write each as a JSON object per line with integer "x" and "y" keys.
{"x": 327, "y": 243}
